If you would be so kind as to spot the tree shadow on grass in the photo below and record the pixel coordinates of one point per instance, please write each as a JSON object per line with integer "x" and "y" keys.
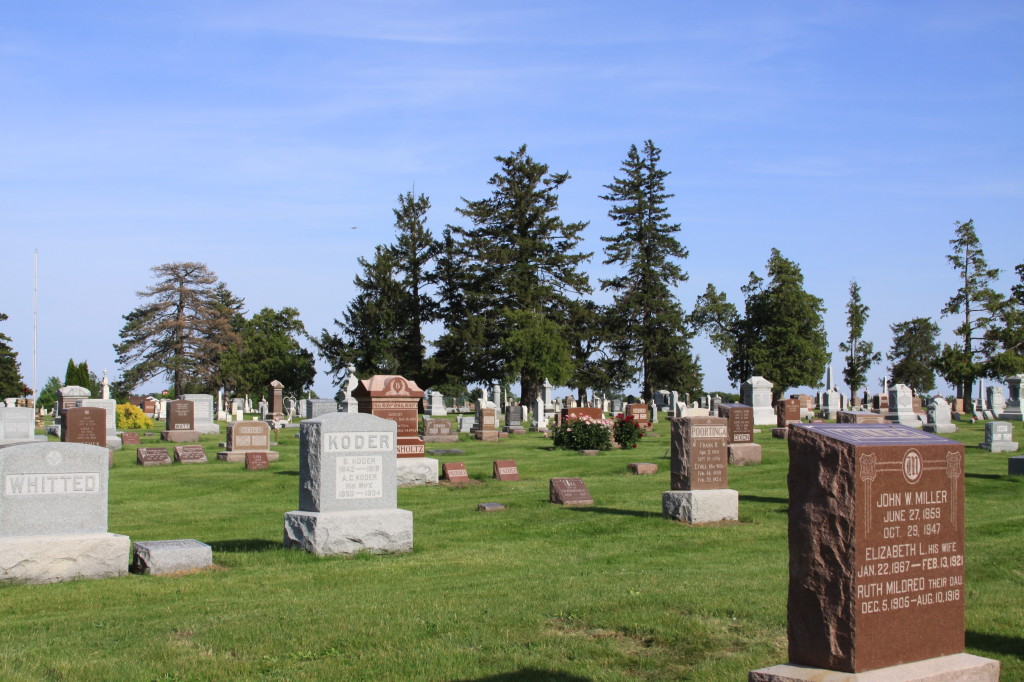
{"x": 996, "y": 644}
{"x": 252, "y": 545}
{"x": 991, "y": 477}
{"x": 620, "y": 512}
{"x": 759, "y": 498}
{"x": 287, "y": 473}
{"x": 530, "y": 674}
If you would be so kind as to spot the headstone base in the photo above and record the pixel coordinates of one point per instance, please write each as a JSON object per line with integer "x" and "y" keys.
{"x": 642, "y": 468}
{"x": 741, "y": 454}
{"x": 515, "y": 430}
{"x": 701, "y": 506}
{"x": 954, "y": 668}
{"x": 453, "y": 438}
{"x": 207, "y": 428}
{"x": 487, "y": 436}
{"x": 940, "y": 428}
{"x": 158, "y": 557}
{"x": 238, "y": 456}
{"x": 1014, "y": 416}
{"x": 190, "y": 436}
{"x": 379, "y": 531}
{"x": 999, "y": 446}
{"x": 1015, "y": 466}
{"x": 780, "y": 432}
{"x": 42, "y": 559}
{"x": 415, "y": 471}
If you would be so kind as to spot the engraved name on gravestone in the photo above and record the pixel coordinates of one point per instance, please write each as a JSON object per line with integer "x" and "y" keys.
{"x": 149, "y": 457}
{"x": 741, "y": 421}
{"x": 454, "y": 472}
{"x": 17, "y": 424}
{"x": 190, "y": 454}
{"x": 130, "y": 438}
{"x": 506, "y": 470}
{"x": 180, "y": 415}
{"x": 395, "y": 398}
{"x": 999, "y": 437}
{"x": 255, "y": 461}
{"x": 699, "y": 453}
{"x": 788, "y": 411}
{"x": 571, "y": 492}
{"x": 84, "y": 425}
{"x": 876, "y": 542}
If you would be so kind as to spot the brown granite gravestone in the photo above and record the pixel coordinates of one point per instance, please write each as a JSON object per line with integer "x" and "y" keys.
{"x": 149, "y": 457}
{"x": 243, "y": 437}
{"x": 396, "y": 398}
{"x": 438, "y": 431}
{"x": 858, "y": 417}
{"x": 130, "y": 438}
{"x": 741, "y": 421}
{"x": 454, "y": 472}
{"x": 488, "y": 425}
{"x": 806, "y": 401}
{"x": 180, "y": 422}
{"x": 506, "y": 470}
{"x": 787, "y": 412}
{"x": 189, "y": 454}
{"x": 276, "y": 408}
{"x": 699, "y": 454}
{"x": 577, "y": 412}
{"x": 876, "y": 542}
{"x": 256, "y": 460}
{"x": 571, "y": 492}
{"x": 640, "y": 414}
{"x": 84, "y": 425}
{"x": 642, "y": 468}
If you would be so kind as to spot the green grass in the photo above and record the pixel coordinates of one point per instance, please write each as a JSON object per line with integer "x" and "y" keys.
{"x": 609, "y": 592}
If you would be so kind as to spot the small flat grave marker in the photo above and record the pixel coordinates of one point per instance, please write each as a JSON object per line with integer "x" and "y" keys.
{"x": 454, "y": 472}
{"x": 571, "y": 492}
{"x": 506, "y": 470}
{"x": 151, "y": 457}
{"x": 130, "y": 439}
{"x": 490, "y": 507}
{"x": 643, "y": 468}
{"x": 190, "y": 454}
{"x": 255, "y": 461}
{"x": 159, "y": 557}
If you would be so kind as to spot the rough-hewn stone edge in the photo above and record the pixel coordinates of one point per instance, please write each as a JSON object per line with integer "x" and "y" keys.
{"x": 701, "y": 506}
{"x": 953, "y": 668}
{"x": 39, "y": 559}
{"x": 416, "y": 471}
{"x": 377, "y": 531}
{"x": 158, "y": 557}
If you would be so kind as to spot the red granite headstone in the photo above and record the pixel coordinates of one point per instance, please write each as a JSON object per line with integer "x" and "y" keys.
{"x": 857, "y": 417}
{"x": 149, "y": 457}
{"x": 571, "y": 492}
{"x": 454, "y": 472}
{"x": 741, "y": 421}
{"x": 256, "y": 460}
{"x": 395, "y": 398}
{"x": 275, "y": 409}
{"x": 642, "y": 468}
{"x": 592, "y": 412}
{"x": 180, "y": 415}
{"x": 506, "y": 470}
{"x": 787, "y": 412}
{"x": 700, "y": 454}
{"x": 639, "y": 412}
{"x": 84, "y": 425}
{"x": 190, "y": 454}
{"x": 130, "y": 438}
{"x": 876, "y": 543}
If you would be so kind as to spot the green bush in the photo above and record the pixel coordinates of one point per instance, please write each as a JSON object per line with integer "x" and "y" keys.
{"x": 131, "y": 417}
{"x": 626, "y": 431}
{"x": 584, "y": 433}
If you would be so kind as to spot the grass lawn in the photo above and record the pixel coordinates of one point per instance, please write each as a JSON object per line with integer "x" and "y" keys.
{"x": 539, "y": 591}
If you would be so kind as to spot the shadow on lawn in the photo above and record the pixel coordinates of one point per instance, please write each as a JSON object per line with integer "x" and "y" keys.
{"x": 773, "y": 500}
{"x": 287, "y": 473}
{"x": 991, "y": 477}
{"x": 620, "y": 512}
{"x": 244, "y": 545}
{"x": 996, "y": 644}
{"x": 530, "y": 674}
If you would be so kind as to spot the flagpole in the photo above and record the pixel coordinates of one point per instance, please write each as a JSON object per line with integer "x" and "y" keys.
{"x": 35, "y": 329}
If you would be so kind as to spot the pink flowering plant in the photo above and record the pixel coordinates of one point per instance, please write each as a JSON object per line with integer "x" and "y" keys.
{"x": 584, "y": 433}
{"x": 626, "y": 431}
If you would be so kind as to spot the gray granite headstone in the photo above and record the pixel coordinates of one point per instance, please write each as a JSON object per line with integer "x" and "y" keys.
{"x": 53, "y": 514}
{"x": 202, "y": 414}
{"x": 110, "y": 405}
{"x": 348, "y": 487}
{"x": 159, "y": 557}
{"x": 316, "y": 407}
{"x": 999, "y": 437}
{"x": 940, "y": 417}
{"x": 17, "y": 425}
{"x": 757, "y": 392}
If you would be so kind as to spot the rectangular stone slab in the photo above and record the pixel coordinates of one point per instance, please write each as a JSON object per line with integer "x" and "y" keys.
{"x": 455, "y": 472}
{"x": 700, "y": 455}
{"x": 876, "y": 545}
{"x": 506, "y": 470}
{"x": 571, "y": 492}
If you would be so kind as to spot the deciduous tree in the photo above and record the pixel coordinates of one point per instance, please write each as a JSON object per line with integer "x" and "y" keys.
{"x": 270, "y": 348}
{"x": 914, "y": 353}
{"x": 1003, "y": 345}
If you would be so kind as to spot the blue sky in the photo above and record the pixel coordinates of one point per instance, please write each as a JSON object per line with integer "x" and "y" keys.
{"x": 253, "y": 136}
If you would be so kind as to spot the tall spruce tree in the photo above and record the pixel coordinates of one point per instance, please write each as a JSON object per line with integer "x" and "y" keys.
{"x": 12, "y": 385}
{"x": 179, "y": 331}
{"x": 782, "y": 333}
{"x": 650, "y": 324}
{"x": 1003, "y": 346}
{"x": 973, "y": 301}
{"x": 414, "y": 250}
{"x": 526, "y": 267}
{"x": 371, "y": 324}
{"x": 914, "y": 353}
{"x": 860, "y": 354}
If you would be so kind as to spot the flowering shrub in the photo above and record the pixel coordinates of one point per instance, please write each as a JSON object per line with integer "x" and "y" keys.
{"x": 584, "y": 433}
{"x": 131, "y": 417}
{"x": 626, "y": 431}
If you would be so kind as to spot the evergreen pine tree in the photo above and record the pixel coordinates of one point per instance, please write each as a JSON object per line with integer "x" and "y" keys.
{"x": 414, "y": 250}
{"x": 650, "y": 324}
{"x": 973, "y": 300}
{"x": 1003, "y": 346}
{"x": 860, "y": 354}
{"x": 12, "y": 385}
{"x": 914, "y": 353}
